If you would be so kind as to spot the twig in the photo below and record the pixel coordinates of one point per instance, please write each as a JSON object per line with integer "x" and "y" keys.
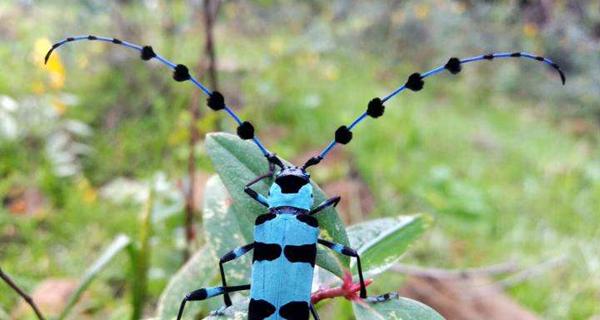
{"x": 531, "y": 272}
{"x": 211, "y": 9}
{"x": 348, "y": 290}
{"x": 22, "y": 293}
{"x": 501, "y": 268}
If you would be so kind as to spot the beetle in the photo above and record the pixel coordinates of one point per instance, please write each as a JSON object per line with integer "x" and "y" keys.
{"x": 286, "y": 236}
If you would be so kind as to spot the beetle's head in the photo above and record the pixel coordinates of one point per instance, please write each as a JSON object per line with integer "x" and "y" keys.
{"x": 291, "y": 179}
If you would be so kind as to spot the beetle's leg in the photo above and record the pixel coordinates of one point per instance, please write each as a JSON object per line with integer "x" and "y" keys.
{"x": 229, "y": 256}
{"x": 347, "y": 251}
{"x": 383, "y": 297}
{"x": 255, "y": 195}
{"x": 314, "y": 312}
{"x": 325, "y": 204}
{"x": 205, "y": 293}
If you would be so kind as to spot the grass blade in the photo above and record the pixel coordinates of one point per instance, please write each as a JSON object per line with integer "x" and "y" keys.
{"x": 121, "y": 242}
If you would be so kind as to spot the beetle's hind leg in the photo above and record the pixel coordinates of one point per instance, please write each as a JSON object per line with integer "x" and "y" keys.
{"x": 205, "y": 293}
{"x": 313, "y": 311}
{"x": 382, "y": 298}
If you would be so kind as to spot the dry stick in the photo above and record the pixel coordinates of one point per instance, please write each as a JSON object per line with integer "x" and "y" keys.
{"x": 532, "y": 271}
{"x": 22, "y": 293}
{"x": 438, "y": 273}
{"x": 210, "y": 12}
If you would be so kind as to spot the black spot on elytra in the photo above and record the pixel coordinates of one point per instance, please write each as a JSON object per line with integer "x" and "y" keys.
{"x": 305, "y": 253}
{"x": 309, "y": 220}
{"x": 515, "y": 54}
{"x": 266, "y": 251}
{"x": 290, "y": 183}
{"x": 295, "y": 310}
{"x": 264, "y": 218}
{"x": 260, "y": 309}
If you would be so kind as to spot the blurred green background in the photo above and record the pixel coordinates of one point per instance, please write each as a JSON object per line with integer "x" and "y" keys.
{"x": 505, "y": 158}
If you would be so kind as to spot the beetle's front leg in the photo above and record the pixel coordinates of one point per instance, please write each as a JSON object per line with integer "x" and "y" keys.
{"x": 255, "y": 195}
{"x": 325, "y": 204}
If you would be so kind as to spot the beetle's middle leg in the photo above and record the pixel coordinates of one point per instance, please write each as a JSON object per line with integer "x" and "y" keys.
{"x": 205, "y": 293}
{"x": 314, "y": 313}
{"x": 229, "y": 256}
{"x": 347, "y": 251}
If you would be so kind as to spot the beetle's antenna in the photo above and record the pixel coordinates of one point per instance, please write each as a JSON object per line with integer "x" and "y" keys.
{"x": 216, "y": 101}
{"x": 415, "y": 82}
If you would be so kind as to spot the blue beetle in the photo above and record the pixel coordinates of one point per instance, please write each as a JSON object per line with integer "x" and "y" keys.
{"x": 285, "y": 238}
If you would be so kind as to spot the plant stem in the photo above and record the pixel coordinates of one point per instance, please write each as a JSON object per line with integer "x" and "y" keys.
{"x": 22, "y": 293}
{"x": 211, "y": 9}
{"x": 501, "y": 268}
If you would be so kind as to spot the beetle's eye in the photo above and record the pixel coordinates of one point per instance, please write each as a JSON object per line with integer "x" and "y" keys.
{"x": 290, "y": 183}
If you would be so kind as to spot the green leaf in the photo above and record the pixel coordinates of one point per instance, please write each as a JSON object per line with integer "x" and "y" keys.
{"x": 121, "y": 242}
{"x": 395, "y": 308}
{"x": 382, "y": 242}
{"x": 222, "y": 230}
{"x": 237, "y": 162}
{"x": 3, "y": 314}
{"x": 197, "y": 273}
{"x": 141, "y": 262}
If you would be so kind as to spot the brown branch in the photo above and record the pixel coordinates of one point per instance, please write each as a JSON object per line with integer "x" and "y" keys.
{"x": 501, "y": 268}
{"x": 22, "y": 293}
{"x": 532, "y": 272}
{"x": 211, "y": 8}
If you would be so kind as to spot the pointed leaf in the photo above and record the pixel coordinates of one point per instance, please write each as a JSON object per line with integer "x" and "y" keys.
{"x": 237, "y": 162}
{"x": 382, "y": 242}
{"x": 222, "y": 231}
{"x": 395, "y": 309}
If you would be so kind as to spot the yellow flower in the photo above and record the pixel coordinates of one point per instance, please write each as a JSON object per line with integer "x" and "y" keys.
{"x": 54, "y": 66}
{"x": 530, "y": 30}
{"x": 88, "y": 192}
{"x": 421, "y": 11}
{"x": 276, "y": 46}
{"x": 331, "y": 72}
{"x": 58, "y": 106}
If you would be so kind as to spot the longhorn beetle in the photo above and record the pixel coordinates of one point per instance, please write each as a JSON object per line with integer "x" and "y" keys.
{"x": 285, "y": 238}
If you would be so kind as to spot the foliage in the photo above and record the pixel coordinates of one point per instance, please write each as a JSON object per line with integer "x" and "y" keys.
{"x": 224, "y": 233}
{"x": 507, "y": 163}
